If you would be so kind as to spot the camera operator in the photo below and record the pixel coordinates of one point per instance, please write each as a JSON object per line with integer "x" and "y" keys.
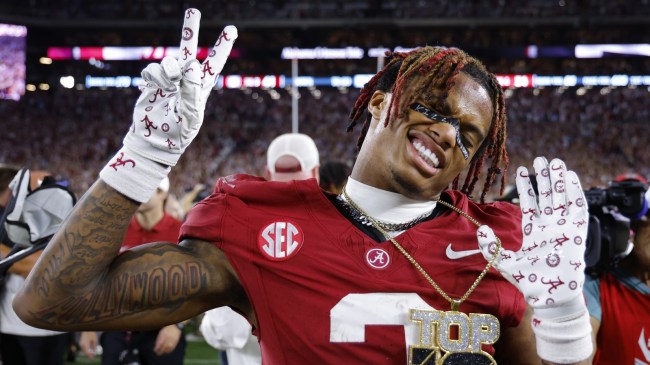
{"x": 619, "y": 298}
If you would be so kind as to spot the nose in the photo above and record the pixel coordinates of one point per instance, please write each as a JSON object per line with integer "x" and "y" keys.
{"x": 445, "y": 134}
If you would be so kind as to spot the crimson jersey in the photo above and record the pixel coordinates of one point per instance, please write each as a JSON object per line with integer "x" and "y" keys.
{"x": 623, "y": 325}
{"x": 323, "y": 291}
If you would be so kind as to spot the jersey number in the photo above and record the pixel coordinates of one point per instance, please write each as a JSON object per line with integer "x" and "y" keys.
{"x": 426, "y": 330}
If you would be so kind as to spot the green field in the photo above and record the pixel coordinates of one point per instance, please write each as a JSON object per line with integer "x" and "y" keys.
{"x": 198, "y": 353}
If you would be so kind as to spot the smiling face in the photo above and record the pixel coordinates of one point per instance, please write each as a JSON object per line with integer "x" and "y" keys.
{"x": 419, "y": 157}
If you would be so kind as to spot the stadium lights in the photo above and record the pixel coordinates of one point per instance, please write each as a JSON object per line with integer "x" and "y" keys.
{"x": 351, "y": 52}
{"x": 11, "y": 30}
{"x": 124, "y": 53}
{"x": 322, "y": 53}
{"x": 67, "y": 82}
{"x": 359, "y": 80}
{"x": 605, "y": 50}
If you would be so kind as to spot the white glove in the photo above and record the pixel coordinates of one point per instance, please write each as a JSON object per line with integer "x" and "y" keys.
{"x": 549, "y": 268}
{"x": 169, "y": 112}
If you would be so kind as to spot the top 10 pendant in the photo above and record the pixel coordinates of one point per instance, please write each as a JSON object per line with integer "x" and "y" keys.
{"x": 453, "y": 338}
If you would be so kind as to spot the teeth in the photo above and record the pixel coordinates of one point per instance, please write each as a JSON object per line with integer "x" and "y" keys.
{"x": 425, "y": 153}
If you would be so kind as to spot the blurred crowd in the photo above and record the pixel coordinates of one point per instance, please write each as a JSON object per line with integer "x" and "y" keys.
{"x": 266, "y": 26}
{"x": 597, "y": 131}
{"x": 302, "y": 9}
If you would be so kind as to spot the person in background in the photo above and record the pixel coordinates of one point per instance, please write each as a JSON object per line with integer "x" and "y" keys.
{"x": 619, "y": 299}
{"x": 390, "y": 271}
{"x": 163, "y": 346}
{"x": 333, "y": 176}
{"x": 174, "y": 208}
{"x": 291, "y": 156}
{"x": 7, "y": 173}
{"x": 20, "y": 343}
{"x": 193, "y": 196}
{"x": 231, "y": 334}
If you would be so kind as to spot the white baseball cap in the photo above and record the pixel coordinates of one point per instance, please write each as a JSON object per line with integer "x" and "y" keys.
{"x": 298, "y": 145}
{"x": 164, "y": 184}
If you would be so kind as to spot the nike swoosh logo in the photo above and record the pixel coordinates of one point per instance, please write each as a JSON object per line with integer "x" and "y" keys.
{"x": 455, "y": 255}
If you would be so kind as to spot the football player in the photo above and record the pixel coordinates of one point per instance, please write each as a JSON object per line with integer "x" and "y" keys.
{"x": 397, "y": 269}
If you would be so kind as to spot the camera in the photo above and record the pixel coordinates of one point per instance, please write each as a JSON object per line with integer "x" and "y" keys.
{"x": 610, "y": 212}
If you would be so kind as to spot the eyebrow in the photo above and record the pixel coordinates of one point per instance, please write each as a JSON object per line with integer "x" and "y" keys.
{"x": 449, "y": 120}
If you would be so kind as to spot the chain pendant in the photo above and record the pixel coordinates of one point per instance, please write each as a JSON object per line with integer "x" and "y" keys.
{"x": 452, "y": 337}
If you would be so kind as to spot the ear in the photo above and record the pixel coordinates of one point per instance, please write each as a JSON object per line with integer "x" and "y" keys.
{"x": 378, "y": 101}
{"x": 315, "y": 173}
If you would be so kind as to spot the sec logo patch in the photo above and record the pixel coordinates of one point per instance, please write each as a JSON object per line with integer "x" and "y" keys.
{"x": 280, "y": 240}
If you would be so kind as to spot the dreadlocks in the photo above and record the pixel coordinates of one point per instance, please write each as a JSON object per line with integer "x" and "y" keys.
{"x": 415, "y": 74}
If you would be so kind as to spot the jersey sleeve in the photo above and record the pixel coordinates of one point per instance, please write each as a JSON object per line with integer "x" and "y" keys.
{"x": 205, "y": 220}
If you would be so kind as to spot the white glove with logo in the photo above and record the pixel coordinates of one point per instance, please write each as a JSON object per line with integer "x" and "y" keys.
{"x": 169, "y": 112}
{"x": 549, "y": 268}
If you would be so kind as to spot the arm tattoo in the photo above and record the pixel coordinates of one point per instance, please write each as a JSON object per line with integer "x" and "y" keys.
{"x": 87, "y": 242}
{"x": 82, "y": 254}
{"x": 129, "y": 292}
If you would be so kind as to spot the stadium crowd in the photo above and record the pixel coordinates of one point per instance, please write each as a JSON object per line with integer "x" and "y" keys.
{"x": 599, "y": 132}
{"x": 301, "y": 9}
{"x": 596, "y": 131}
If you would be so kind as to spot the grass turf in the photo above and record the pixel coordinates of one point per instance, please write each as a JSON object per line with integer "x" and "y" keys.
{"x": 198, "y": 352}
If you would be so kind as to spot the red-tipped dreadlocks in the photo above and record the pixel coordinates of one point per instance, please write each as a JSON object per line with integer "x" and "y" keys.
{"x": 414, "y": 74}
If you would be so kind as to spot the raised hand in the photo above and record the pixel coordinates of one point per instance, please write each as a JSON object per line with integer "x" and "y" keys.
{"x": 169, "y": 112}
{"x": 549, "y": 267}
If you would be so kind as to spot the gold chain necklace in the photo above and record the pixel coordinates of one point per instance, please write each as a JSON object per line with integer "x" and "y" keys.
{"x": 455, "y": 303}
{"x": 390, "y": 227}
{"x": 437, "y": 342}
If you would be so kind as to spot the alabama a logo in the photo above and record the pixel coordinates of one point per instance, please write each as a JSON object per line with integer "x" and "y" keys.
{"x": 280, "y": 240}
{"x": 377, "y": 258}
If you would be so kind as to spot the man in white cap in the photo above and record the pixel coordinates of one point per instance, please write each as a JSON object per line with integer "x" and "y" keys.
{"x": 292, "y": 156}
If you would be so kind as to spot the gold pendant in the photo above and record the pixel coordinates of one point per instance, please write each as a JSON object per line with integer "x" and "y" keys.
{"x": 453, "y": 338}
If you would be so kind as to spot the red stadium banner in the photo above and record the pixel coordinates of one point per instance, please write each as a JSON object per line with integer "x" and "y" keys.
{"x": 122, "y": 53}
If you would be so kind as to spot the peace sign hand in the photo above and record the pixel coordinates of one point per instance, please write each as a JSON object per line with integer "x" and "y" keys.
{"x": 170, "y": 110}
{"x": 549, "y": 267}
{"x": 168, "y": 113}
